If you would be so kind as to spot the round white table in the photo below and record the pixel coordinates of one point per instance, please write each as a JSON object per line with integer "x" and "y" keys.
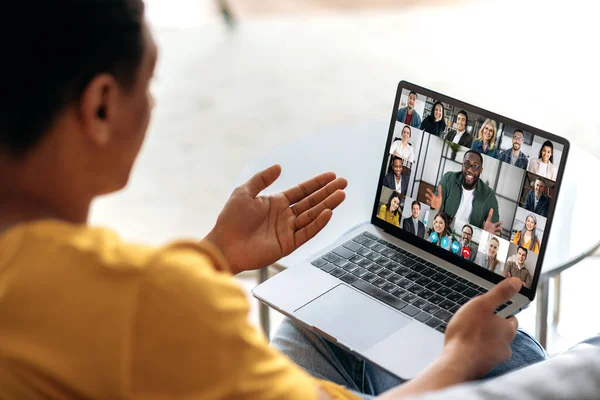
{"x": 355, "y": 152}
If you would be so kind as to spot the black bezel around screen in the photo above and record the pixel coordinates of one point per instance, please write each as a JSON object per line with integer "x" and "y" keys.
{"x": 442, "y": 253}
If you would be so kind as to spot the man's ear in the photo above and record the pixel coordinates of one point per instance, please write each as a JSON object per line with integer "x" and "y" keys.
{"x": 97, "y": 108}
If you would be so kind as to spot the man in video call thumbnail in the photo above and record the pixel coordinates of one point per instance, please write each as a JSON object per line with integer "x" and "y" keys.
{"x": 408, "y": 115}
{"x": 469, "y": 250}
{"x": 517, "y": 268}
{"x": 463, "y": 195}
{"x": 412, "y": 224}
{"x": 536, "y": 200}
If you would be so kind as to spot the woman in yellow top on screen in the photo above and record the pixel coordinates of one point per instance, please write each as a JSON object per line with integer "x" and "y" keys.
{"x": 390, "y": 212}
{"x": 543, "y": 166}
{"x": 485, "y": 143}
{"x": 526, "y": 237}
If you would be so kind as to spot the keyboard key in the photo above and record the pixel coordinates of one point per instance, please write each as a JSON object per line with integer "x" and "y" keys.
{"x": 410, "y": 298}
{"x": 444, "y": 291}
{"x": 433, "y": 322}
{"x": 508, "y": 303}
{"x": 370, "y": 243}
{"x": 373, "y": 256}
{"x": 423, "y": 281}
{"x": 433, "y": 286}
{"x": 438, "y": 277}
{"x": 353, "y": 246}
{"x": 462, "y": 300}
{"x": 370, "y": 235}
{"x": 360, "y": 239}
{"x": 411, "y": 311}
{"x": 384, "y": 262}
{"x": 413, "y": 276}
{"x": 380, "y": 282}
{"x": 405, "y": 284}
{"x": 331, "y": 257}
{"x": 370, "y": 277}
{"x": 472, "y": 284}
{"x": 399, "y": 292}
{"x": 470, "y": 292}
{"x": 462, "y": 280}
{"x": 431, "y": 308}
{"x": 379, "y": 294}
{"x": 374, "y": 268}
{"x": 446, "y": 304}
{"x": 379, "y": 248}
{"x": 443, "y": 315}
{"x": 363, "y": 263}
{"x": 363, "y": 251}
{"x": 449, "y": 282}
{"x": 395, "y": 278}
{"x": 436, "y": 299}
{"x": 415, "y": 289}
{"x": 348, "y": 278}
{"x": 343, "y": 252}
{"x": 356, "y": 259}
{"x": 459, "y": 287}
{"x": 428, "y": 272}
{"x": 426, "y": 294}
{"x": 420, "y": 303}
{"x": 388, "y": 252}
{"x": 418, "y": 267}
{"x": 337, "y": 272}
{"x": 454, "y": 309}
{"x": 385, "y": 274}
{"x": 422, "y": 316}
{"x": 360, "y": 272}
{"x": 350, "y": 267}
{"x": 403, "y": 271}
{"x": 394, "y": 266}
{"x": 442, "y": 328}
{"x": 319, "y": 262}
{"x": 328, "y": 267}
{"x": 454, "y": 296}
{"x": 501, "y": 307}
{"x": 341, "y": 262}
{"x": 390, "y": 288}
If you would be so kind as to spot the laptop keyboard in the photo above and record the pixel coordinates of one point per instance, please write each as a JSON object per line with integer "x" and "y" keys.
{"x": 402, "y": 280}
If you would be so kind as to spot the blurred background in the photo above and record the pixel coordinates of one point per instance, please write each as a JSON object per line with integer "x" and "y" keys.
{"x": 236, "y": 78}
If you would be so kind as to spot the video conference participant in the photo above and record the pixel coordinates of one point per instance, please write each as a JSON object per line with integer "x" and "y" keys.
{"x": 466, "y": 236}
{"x": 466, "y": 197}
{"x": 412, "y": 224}
{"x": 543, "y": 165}
{"x": 394, "y": 179}
{"x": 460, "y": 136}
{"x": 536, "y": 200}
{"x": 390, "y": 212}
{"x": 514, "y": 155}
{"x": 403, "y": 149}
{"x": 486, "y": 139}
{"x": 440, "y": 236}
{"x": 516, "y": 267}
{"x": 434, "y": 123}
{"x": 408, "y": 115}
{"x": 489, "y": 259}
{"x": 526, "y": 237}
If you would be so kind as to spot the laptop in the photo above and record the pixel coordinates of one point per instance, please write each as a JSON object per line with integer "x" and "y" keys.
{"x": 465, "y": 198}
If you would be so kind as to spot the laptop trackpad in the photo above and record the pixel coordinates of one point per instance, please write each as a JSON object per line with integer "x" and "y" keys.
{"x": 355, "y": 320}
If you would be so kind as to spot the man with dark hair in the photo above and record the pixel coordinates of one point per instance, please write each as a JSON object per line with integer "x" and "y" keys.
{"x": 413, "y": 224}
{"x": 460, "y": 135}
{"x": 536, "y": 200}
{"x": 514, "y": 155}
{"x": 465, "y": 197}
{"x": 516, "y": 267}
{"x": 408, "y": 115}
{"x": 466, "y": 237}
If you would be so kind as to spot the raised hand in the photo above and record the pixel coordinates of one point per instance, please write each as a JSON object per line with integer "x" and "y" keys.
{"x": 476, "y": 338}
{"x": 491, "y": 227}
{"x": 254, "y": 231}
{"x": 433, "y": 200}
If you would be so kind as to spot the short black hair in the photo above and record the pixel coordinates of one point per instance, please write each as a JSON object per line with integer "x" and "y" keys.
{"x": 63, "y": 45}
{"x": 519, "y": 130}
{"x": 411, "y": 92}
{"x": 463, "y": 112}
{"x": 468, "y": 226}
{"x": 539, "y": 178}
{"x": 547, "y": 143}
{"x": 415, "y": 203}
{"x": 524, "y": 249}
{"x": 474, "y": 152}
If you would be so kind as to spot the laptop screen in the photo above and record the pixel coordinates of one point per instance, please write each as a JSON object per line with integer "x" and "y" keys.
{"x": 476, "y": 185}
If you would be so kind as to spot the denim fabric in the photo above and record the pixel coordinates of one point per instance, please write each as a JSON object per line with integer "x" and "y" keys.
{"x": 325, "y": 360}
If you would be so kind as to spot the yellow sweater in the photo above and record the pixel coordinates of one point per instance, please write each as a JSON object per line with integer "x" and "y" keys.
{"x": 86, "y": 316}
{"x": 392, "y": 218}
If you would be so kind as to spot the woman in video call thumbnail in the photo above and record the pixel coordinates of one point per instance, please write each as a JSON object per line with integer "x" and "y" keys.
{"x": 394, "y": 178}
{"x": 401, "y": 148}
{"x": 390, "y": 212}
{"x": 543, "y": 165}
{"x": 434, "y": 123}
{"x": 526, "y": 237}
{"x": 490, "y": 260}
{"x": 441, "y": 224}
{"x": 485, "y": 143}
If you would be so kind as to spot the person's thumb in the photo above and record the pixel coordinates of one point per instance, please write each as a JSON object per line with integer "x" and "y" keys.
{"x": 490, "y": 214}
{"x": 262, "y": 180}
{"x": 502, "y": 292}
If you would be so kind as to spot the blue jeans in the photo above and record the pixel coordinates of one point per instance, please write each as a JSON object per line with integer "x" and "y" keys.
{"x": 325, "y": 360}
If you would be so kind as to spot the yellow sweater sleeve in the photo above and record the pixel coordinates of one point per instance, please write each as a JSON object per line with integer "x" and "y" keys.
{"x": 382, "y": 211}
{"x": 192, "y": 340}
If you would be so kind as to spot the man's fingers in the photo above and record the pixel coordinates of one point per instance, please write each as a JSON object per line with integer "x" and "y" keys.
{"x": 320, "y": 195}
{"x": 490, "y": 214}
{"x": 309, "y": 231}
{"x": 262, "y": 180}
{"x": 329, "y": 203}
{"x": 306, "y": 188}
{"x": 502, "y": 292}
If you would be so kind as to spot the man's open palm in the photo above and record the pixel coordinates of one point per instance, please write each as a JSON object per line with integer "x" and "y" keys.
{"x": 255, "y": 231}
